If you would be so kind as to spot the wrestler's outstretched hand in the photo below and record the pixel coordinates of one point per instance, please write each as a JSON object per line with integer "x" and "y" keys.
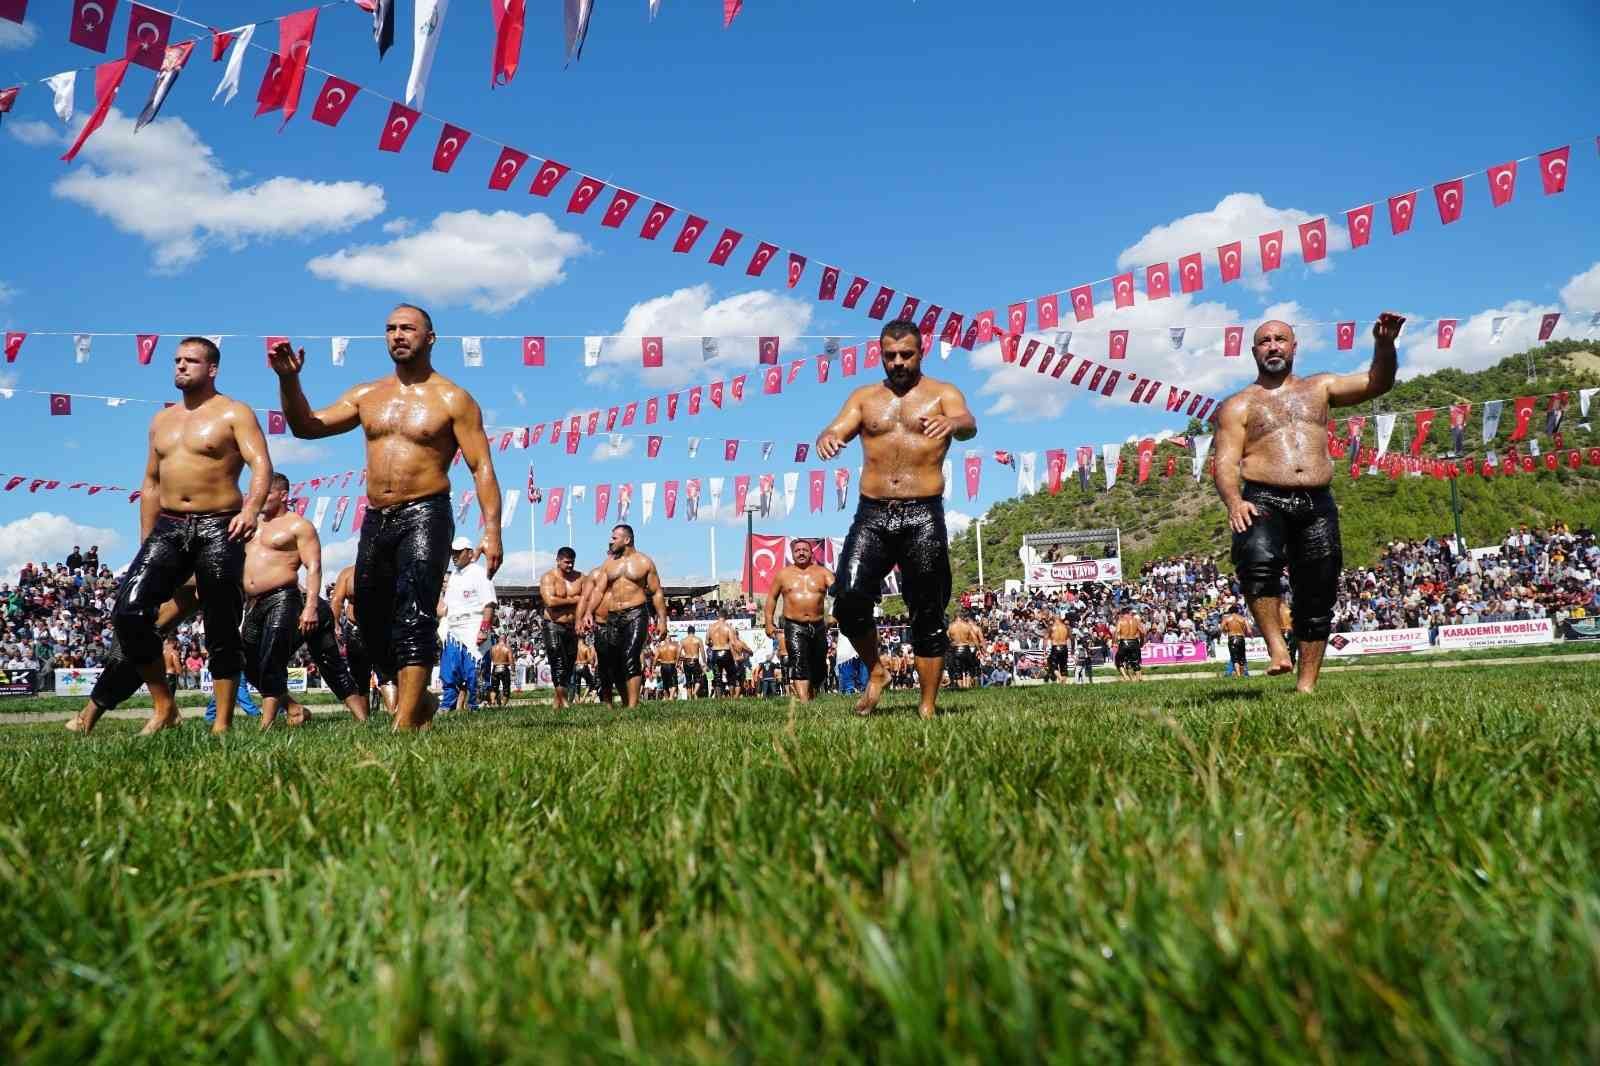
{"x": 829, "y": 445}
{"x": 1241, "y": 514}
{"x": 285, "y": 360}
{"x": 1386, "y": 330}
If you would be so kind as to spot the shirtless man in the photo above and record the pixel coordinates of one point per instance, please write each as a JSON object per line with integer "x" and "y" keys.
{"x": 1059, "y": 662}
{"x": 414, "y": 420}
{"x": 343, "y": 606}
{"x": 905, "y": 423}
{"x": 500, "y": 659}
{"x": 1235, "y": 628}
{"x": 192, "y": 520}
{"x": 719, "y": 658}
{"x": 965, "y": 638}
{"x": 583, "y": 669}
{"x": 1273, "y": 472}
{"x": 630, "y": 589}
{"x": 692, "y": 651}
{"x": 172, "y": 664}
{"x": 560, "y": 589}
{"x": 801, "y": 587}
{"x": 1130, "y": 633}
{"x": 667, "y": 667}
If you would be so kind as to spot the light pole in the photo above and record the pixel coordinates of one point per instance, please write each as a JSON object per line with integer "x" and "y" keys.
{"x": 977, "y": 525}
{"x": 749, "y": 544}
{"x": 1455, "y": 508}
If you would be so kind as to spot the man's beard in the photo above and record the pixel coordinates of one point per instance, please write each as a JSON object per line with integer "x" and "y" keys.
{"x": 616, "y": 553}
{"x": 901, "y": 378}
{"x": 194, "y": 385}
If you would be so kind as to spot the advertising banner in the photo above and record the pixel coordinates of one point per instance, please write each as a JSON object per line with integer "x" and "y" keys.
{"x": 1344, "y": 645}
{"x": 755, "y": 638}
{"x": 1055, "y": 575}
{"x": 78, "y": 681}
{"x": 1496, "y": 634}
{"x": 1173, "y": 653}
{"x": 18, "y": 682}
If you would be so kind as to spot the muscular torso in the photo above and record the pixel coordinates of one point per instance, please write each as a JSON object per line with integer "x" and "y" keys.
{"x": 1286, "y": 434}
{"x": 602, "y": 607}
{"x": 500, "y": 655}
{"x": 1128, "y": 628}
{"x": 174, "y": 665}
{"x": 802, "y": 591}
{"x": 666, "y": 653}
{"x": 626, "y": 580}
{"x": 198, "y": 457}
{"x": 900, "y": 463}
{"x": 964, "y": 633}
{"x": 557, "y": 583}
{"x": 720, "y": 636}
{"x": 410, "y": 438}
{"x": 272, "y": 557}
{"x": 690, "y": 647}
{"x": 1060, "y": 635}
{"x": 1234, "y": 626}
{"x": 345, "y": 586}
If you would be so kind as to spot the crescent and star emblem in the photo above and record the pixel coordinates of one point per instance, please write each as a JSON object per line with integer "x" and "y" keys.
{"x": 99, "y": 16}
{"x": 155, "y": 31}
{"x": 335, "y": 97}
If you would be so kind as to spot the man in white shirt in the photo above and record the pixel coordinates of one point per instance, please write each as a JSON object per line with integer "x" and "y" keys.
{"x": 467, "y": 608}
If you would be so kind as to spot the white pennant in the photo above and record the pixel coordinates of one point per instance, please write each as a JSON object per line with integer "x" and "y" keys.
{"x": 1385, "y": 431}
{"x": 1111, "y": 451}
{"x": 949, "y": 468}
{"x": 428, "y": 26}
{"x": 230, "y": 74}
{"x": 1533, "y": 446}
{"x": 1027, "y": 483}
{"x": 115, "y": 401}
{"x": 708, "y": 349}
{"x": 472, "y": 351}
{"x": 766, "y": 450}
{"x": 1202, "y": 445}
{"x": 591, "y": 351}
{"x": 62, "y": 85}
{"x": 80, "y": 346}
{"x": 1063, "y": 339}
{"x": 694, "y": 446}
{"x": 321, "y": 512}
{"x": 616, "y": 444}
{"x": 716, "y": 498}
{"x": 1584, "y": 396}
{"x": 1491, "y": 418}
{"x": 575, "y": 494}
{"x": 339, "y": 345}
{"x": 1175, "y": 334}
{"x": 791, "y": 485}
{"x": 1496, "y": 328}
{"x": 7, "y": 393}
{"x": 945, "y": 347}
{"x": 647, "y": 501}
{"x": 216, "y": 338}
{"x": 655, "y": 9}
{"x": 510, "y": 508}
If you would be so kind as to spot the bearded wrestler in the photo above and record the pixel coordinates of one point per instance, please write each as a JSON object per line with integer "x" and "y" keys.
{"x": 801, "y": 587}
{"x": 630, "y": 589}
{"x": 560, "y": 589}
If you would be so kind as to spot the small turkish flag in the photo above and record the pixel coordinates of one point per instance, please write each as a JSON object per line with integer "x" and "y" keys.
{"x": 91, "y": 23}
{"x": 533, "y": 351}
{"x": 695, "y": 393}
{"x": 1082, "y": 299}
{"x": 852, "y": 295}
{"x": 510, "y": 16}
{"x": 219, "y": 43}
{"x": 148, "y": 30}
{"x": 1230, "y": 260}
{"x": 730, "y": 450}
{"x": 1346, "y": 332}
{"x": 1314, "y": 240}
{"x": 1122, "y": 290}
{"x": 1232, "y": 340}
{"x": 847, "y": 361}
{"x": 14, "y": 345}
{"x": 147, "y": 347}
{"x": 985, "y": 324}
{"x": 1359, "y": 222}
{"x": 1119, "y": 344}
{"x": 822, "y": 369}
{"x": 1027, "y": 353}
{"x": 741, "y": 492}
{"x": 759, "y": 261}
{"x": 584, "y": 195}
{"x": 1008, "y": 347}
{"x": 1502, "y": 183}
{"x": 60, "y": 403}
{"x": 652, "y": 446}
{"x": 451, "y": 140}
{"x": 1111, "y": 383}
{"x": 952, "y": 328}
{"x": 611, "y": 418}
{"x": 107, "y": 80}
{"x": 766, "y": 556}
{"x": 1061, "y": 365}
{"x": 652, "y": 410}
{"x": 725, "y": 245}
{"x": 276, "y": 426}
{"x": 549, "y": 176}
{"x": 693, "y": 226}
{"x": 1447, "y": 332}
{"x": 659, "y": 213}
{"x": 816, "y": 483}
{"x": 1553, "y": 168}
{"x": 651, "y": 348}
{"x": 672, "y": 406}
{"x": 334, "y": 100}
{"x": 874, "y": 355}
{"x": 621, "y": 204}
{"x": 1094, "y": 378}
{"x": 1271, "y": 250}
{"x": 1191, "y": 273}
{"x": 715, "y": 392}
{"x": 630, "y": 412}
{"x": 1402, "y": 209}
{"x": 880, "y": 302}
{"x": 397, "y": 128}
{"x": 797, "y": 267}
{"x": 1138, "y": 390}
{"x": 830, "y": 283}
{"x": 801, "y": 450}
{"x": 929, "y": 324}
{"x": 736, "y": 388}
{"x": 767, "y": 348}
{"x": 972, "y": 468}
{"x": 1448, "y": 195}
{"x": 506, "y": 168}
{"x": 591, "y": 424}
{"x": 794, "y": 370}
{"x": 1017, "y": 318}
{"x": 1547, "y": 324}
{"x": 908, "y": 309}
{"x": 1157, "y": 281}
{"x": 8, "y": 98}
{"x": 1049, "y": 311}
{"x": 772, "y": 381}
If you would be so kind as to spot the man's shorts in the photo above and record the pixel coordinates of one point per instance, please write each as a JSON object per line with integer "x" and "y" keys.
{"x": 1130, "y": 654}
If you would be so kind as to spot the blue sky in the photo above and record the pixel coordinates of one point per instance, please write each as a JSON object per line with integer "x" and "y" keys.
{"x": 969, "y": 157}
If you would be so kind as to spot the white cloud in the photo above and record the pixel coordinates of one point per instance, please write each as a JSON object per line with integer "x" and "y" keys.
{"x": 515, "y": 569}
{"x": 603, "y": 452}
{"x": 957, "y": 522}
{"x": 684, "y": 316}
{"x": 397, "y": 226}
{"x": 1239, "y": 216}
{"x": 337, "y": 555}
{"x": 7, "y": 292}
{"x": 43, "y": 537}
{"x": 15, "y": 36}
{"x": 522, "y": 397}
{"x": 1308, "y": 338}
{"x": 287, "y": 449}
{"x": 32, "y": 132}
{"x": 489, "y": 261}
{"x": 1582, "y": 292}
{"x": 1471, "y": 349}
{"x": 166, "y": 186}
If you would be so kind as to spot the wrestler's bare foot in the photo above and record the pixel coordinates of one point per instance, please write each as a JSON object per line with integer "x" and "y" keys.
{"x": 1277, "y": 667}
{"x": 80, "y": 723}
{"x": 927, "y": 711}
{"x": 877, "y": 681}
{"x": 298, "y": 715}
{"x": 1305, "y": 688}
{"x": 427, "y": 707}
{"x": 160, "y": 721}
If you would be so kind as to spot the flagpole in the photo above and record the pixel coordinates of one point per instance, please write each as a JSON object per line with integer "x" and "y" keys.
{"x": 533, "y": 548}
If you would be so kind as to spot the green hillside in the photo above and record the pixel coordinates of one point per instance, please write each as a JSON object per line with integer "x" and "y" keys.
{"x": 1169, "y": 516}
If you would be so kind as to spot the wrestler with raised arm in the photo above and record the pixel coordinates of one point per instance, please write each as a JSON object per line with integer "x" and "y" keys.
{"x": 1273, "y": 473}
{"x": 415, "y": 420}
{"x": 905, "y": 423}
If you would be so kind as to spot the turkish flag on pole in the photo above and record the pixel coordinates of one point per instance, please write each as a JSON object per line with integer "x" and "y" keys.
{"x": 1502, "y": 183}
{"x": 1314, "y": 240}
{"x": 1523, "y": 408}
{"x": 506, "y": 168}
{"x": 451, "y": 140}
{"x": 107, "y": 80}
{"x": 508, "y": 23}
{"x": 1547, "y": 324}
{"x": 1553, "y": 168}
{"x": 1271, "y": 250}
{"x": 533, "y": 351}
{"x": 657, "y": 218}
{"x": 1230, "y": 260}
{"x": 1346, "y": 332}
{"x": 1191, "y": 273}
{"x": 816, "y": 479}
{"x": 397, "y": 127}
{"x": 725, "y": 245}
{"x": 549, "y": 176}
{"x": 764, "y": 560}
{"x": 1119, "y": 344}
{"x": 852, "y": 295}
{"x": 148, "y": 30}
{"x": 91, "y": 23}
{"x": 1017, "y": 318}
{"x": 584, "y": 195}
{"x": 1232, "y": 340}
{"x": 1423, "y": 426}
{"x": 1082, "y": 299}
{"x": 1402, "y": 209}
{"x": 1158, "y": 281}
{"x": 651, "y": 351}
{"x": 1448, "y": 195}
{"x": 1447, "y": 332}
{"x": 618, "y": 210}
{"x": 1122, "y": 290}
{"x": 1049, "y": 311}
{"x": 759, "y": 261}
{"x": 880, "y": 302}
{"x": 1359, "y": 223}
{"x": 147, "y": 347}
{"x": 830, "y": 283}
{"x": 797, "y": 267}
{"x": 334, "y": 100}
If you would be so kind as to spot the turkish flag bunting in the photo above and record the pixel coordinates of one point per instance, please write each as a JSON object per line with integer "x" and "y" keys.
{"x": 1158, "y": 281}
{"x": 1523, "y": 408}
{"x": 847, "y": 361}
{"x": 1055, "y": 466}
{"x": 91, "y": 23}
{"x": 219, "y": 43}
{"x": 1271, "y": 250}
{"x": 1191, "y": 273}
{"x": 1359, "y": 222}
{"x": 602, "y": 502}
{"x": 1402, "y": 209}
{"x": 669, "y": 498}
{"x": 1232, "y": 340}
{"x": 334, "y": 100}
{"x": 952, "y": 328}
{"x": 652, "y": 410}
{"x": 618, "y": 210}
{"x": 1082, "y": 299}
{"x": 1314, "y": 240}
{"x": 1423, "y": 426}
{"x": 1119, "y": 344}
{"x": 1096, "y": 378}
{"x": 908, "y": 310}
{"x": 1138, "y": 390}
{"x": 929, "y": 323}
{"x": 772, "y": 381}
{"x": 741, "y": 492}
{"x": 830, "y": 283}
{"x": 1049, "y": 311}
{"x": 1230, "y": 260}
{"x": 1502, "y": 183}
{"x": 1061, "y": 365}
{"x": 1027, "y": 353}
{"x": 1346, "y": 332}
{"x": 294, "y": 42}
{"x": 1111, "y": 383}
{"x": 552, "y": 505}
{"x": 852, "y": 295}
{"x": 397, "y": 127}
{"x": 801, "y": 450}
{"x": 1175, "y": 399}
{"x": 509, "y": 17}
{"x": 972, "y": 468}
{"x": 549, "y": 176}
{"x": 759, "y": 261}
{"x": 730, "y": 450}
{"x": 1447, "y": 332}
{"x": 797, "y": 267}
{"x": 651, "y": 351}
{"x": 695, "y": 393}
{"x": 1547, "y": 324}
{"x": 880, "y": 302}
{"x": 506, "y": 168}
{"x": 107, "y": 80}
{"x": 276, "y": 426}
{"x": 693, "y": 226}
{"x": 533, "y": 351}
{"x": 147, "y": 347}
{"x": 629, "y": 413}
{"x": 1553, "y": 167}
{"x": 60, "y": 403}
{"x": 1448, "y": 195}
{"x": 451, "y": 140}
{"x": 14, "y": 344}
{"x": 672, "y": 406}
{"x": 736, "y": 388}
{"x": 1077, "y": 375}
{"x": 725, "y": 245}
{"x": 816, "y": 480}
{"x": 148, "y": 30}
{"x": 985, "y": 324}
{"x": 874, "y": 357}
{"x": 1017, "y": 318}
{"x": 1008, "y": 347}
{"x": 716, "y": 394}
{"x": 822, "y": 369}
{"x": 593, "y": 422}
{"x": 1122, "y": 290}
{"x": 652, "y": 446}
{"x": 659, "y": 213}
{"x": 584, "y": 195}
{"x": 1044, "y": 360}
{"x": 611, "y": 418}
{"x": 794, "y": 370}
{"x": 767, "y": 351}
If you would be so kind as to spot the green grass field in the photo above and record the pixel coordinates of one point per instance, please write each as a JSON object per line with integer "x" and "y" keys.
{"x": 1405, "y": 866}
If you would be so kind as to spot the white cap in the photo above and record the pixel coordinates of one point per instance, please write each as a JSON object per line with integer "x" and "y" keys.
{"x": 461, "y": 544}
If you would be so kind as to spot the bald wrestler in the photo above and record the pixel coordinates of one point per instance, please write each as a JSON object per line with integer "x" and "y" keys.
{"x": 666, "y": 652}
{"x": 905, "y": 423}
{"x": 724, "y": 670}
{"x": 801, "y": 587}
{"x": 692, "y": 651}
{"x": 414, "y": 420}
{"x": 1273, "y": 472}
{"x": 559, "y": 590}
{"x": 193, "y": 520}
{"x": 630, "y": 590}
